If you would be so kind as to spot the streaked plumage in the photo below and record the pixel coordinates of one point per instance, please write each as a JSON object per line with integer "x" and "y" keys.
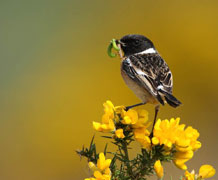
{"x": 145, "y": 72}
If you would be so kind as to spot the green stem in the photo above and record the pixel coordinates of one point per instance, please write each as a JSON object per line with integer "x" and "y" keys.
{"x": 125, "y": 149}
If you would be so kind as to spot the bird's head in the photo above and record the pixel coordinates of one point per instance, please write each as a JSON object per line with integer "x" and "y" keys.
{"x": 134, "y": 43}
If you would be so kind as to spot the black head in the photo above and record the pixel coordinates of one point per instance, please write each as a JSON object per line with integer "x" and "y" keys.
{"x": 134, "y": 43}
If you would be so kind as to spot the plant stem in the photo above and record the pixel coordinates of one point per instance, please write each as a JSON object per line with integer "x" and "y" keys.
{"x": 125, "y": 149}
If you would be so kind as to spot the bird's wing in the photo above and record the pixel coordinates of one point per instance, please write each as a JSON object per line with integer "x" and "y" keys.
{"x": 151, "y": 72}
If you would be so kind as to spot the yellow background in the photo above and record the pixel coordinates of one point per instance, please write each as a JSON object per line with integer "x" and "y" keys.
{"x": 55, "y": 75}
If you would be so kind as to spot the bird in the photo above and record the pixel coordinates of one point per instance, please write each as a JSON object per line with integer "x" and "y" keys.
{"x": 146, "y": 73}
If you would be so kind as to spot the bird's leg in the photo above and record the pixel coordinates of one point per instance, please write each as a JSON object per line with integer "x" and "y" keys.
{"x": 155, "y": 118}
{"x": 129, "y": 107}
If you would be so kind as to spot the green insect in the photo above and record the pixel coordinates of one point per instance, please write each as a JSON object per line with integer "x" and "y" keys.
{"x": 112, "y": 45}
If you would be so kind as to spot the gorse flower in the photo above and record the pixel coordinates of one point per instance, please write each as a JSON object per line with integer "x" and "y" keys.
{"x": 102, "y": 170}
{"x": 158, "y": 169}
{"x": 205, "y": 171}
{"x": 166, "y": 132}
{"x": 130, "y": 117}
{"x": 136, "y": 119}
{"x": 172, "y": 134}
{"x": 107, "y": 124}
{"x": 187, "y": 139}
{"x": 181, "y": 158}
{"x": 186, "y": 144}
{"x": 102, "y": 163}
{"x": 189, "y": 176}
{"x": 119, "y": 133}
{"x": 142, "y": 136}
{"x": 169, "y": 141}
{"x": 142, "y": 121}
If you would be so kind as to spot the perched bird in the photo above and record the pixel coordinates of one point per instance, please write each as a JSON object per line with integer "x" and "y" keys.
{"x": 145, "y": 72}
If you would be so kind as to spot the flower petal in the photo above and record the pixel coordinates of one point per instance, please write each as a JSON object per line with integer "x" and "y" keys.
{"x": 158, "y": 169}
{"x": 206, "y": 171}
{"x": 119, "y": 133}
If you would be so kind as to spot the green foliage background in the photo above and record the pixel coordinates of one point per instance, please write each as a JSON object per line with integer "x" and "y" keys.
{"x": 55, "y": 74}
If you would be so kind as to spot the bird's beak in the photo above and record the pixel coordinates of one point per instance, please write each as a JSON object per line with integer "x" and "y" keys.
{"x": 121, "y": 43}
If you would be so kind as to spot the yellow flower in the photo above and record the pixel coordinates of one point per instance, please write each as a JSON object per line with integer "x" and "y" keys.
{"x": 107, "y": 124}
{"x": 142, "y": 136}
{"x": 139, "y": 124}
{"x": 102, "y": 170}
{"x": 189, "y": 176}
{"x": 130, "y": 117}
{"x": 141, "y": 131}
{"x": 187, "y": 140}
{"x": 184, "y": 140}
{"x": 109, "y": 108}
{"x": 99, "y": 176}
{"x": 119, "y": 133}
{"x": 165, "y": 132}
{"x": 206, "y": 171}
{"x": 120, "y": 110}
{"x": 158, "y": 169}
{"x": 180, "y": 163}
{"x": 155, "y": 141}
{"x": 181, "y": 158}
{"x": 144, "y": 141}
{"x": 142, "y": 119}
{"x": 193, "y": 135}
{"x": 103, "y": 163}
{"x": 186, "y": 144}
{"x": 104, "y": 127}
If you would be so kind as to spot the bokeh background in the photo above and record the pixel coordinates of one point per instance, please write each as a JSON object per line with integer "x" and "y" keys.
{"x": 55, "y": 74}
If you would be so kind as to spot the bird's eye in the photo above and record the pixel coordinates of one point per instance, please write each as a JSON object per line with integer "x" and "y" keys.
{"x": 136, "y": 42}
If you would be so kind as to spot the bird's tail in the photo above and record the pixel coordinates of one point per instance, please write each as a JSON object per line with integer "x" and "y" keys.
{"x": 170, "y": 99}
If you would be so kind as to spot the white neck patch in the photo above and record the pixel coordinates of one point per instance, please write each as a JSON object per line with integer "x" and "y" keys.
{"x": 148, "y": 51}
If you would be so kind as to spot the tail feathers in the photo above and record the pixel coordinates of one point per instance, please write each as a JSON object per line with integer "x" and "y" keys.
{"x": 159, "y": 98}
{"x": 171, "y": 100}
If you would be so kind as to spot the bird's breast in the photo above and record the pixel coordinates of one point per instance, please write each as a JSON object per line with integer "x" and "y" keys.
{"x": 139, "y": 91}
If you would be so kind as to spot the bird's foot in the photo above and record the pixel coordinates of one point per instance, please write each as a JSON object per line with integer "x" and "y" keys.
{"x": 129, "y": 107}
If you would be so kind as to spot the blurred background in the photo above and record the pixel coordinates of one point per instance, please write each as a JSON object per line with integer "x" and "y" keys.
{"x": 55, "y": 74}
